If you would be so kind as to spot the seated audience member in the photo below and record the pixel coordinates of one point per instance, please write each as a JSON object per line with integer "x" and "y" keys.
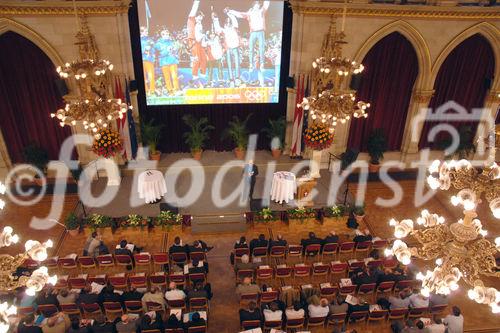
{"x": 247, "y": 287}
{"x": 66, "y": 297}
{"x": 251, "y": 313}
{"x": 154, "y": 295}
{"x": 197, "y": 267}
{"x": 244, "y": 263}
{"x": 374, "y": 254}
{"x": 126, "y": 324}
{"x": 197, "y": 292}
{"x": 101, "y": 325}
{"x": 108, "y": 295}
{"x": 417, "y": 300}
{"x": 132, "y": 295}
{"x": 199, "y": 246}
{"x": 173, "y": 293}
{"x": 58, "y": 323}
{"x": 75, "y": 326}
{"x": 437, "y": 299}
{"x": 91, "y": 247}
{"x": 318, "y": 308}
{"x": 177, "y": 247}
{"x": 436, "y": 327}
{"x": 279, "y": 241}
{"x": 361, "y": 306}
{"x": 172, "y": 322}
{"x": 46, "y": 297}
{"x": 273, "y": 313}
{"x": 363, "y": 277}
{"x": 87, "y": 296}
{"x": 259, "y": 242}
{"x": 332, "y": 237}
{"x": 151, "y": 321}
{"x": 351, "y": 221}
{"x": 241, "y": 244}
{"x": 338, "y": 305}
{"x": 27, "y": 325}
{"x": 196, "y": 321}
{"x": 312, "y": 240}
{"x": 122, "y": 250}
{"x": 399, "y": 301}
{"x": 418, "y": 327}
{"x": 362, "y": 236}
{"x": 454, "y": 321}
{"x": 296, "y": 312}
{"x": 385, "y": 276}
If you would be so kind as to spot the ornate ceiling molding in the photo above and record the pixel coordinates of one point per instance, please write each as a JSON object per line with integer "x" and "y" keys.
{"x": 396, "y": 11}
{"x": 57, "y": 8}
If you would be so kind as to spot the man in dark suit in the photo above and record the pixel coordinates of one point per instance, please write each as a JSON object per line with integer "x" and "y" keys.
{"x": 132, "y": 295}
{"x": 195, "y": 269}
{"x": 252, "y": 313}
{"x": 362, "y": 236}
{"x": 108, "y": 295}
{"x": 279, "y": 241}
{"x": 122, "y": 250}
{"x": 258, "y": 242}
{"x": 87, "y": 297}
{"x": 250, "y": 173}
{"x": 177, "y": 247}
{"x": 312, "y": 240}
{"x": 197, "y": 292}
{"x": 332, "y": 237}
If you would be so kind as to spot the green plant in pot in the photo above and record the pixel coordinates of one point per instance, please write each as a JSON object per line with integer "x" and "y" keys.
{"x": 276, "y": 133}
{"x": 198, "y": 134}
{"x": 466, "y": 147}
{"x": 167, "y": 219}
{"x": 376, "y": 146}
{"x": 359, "y": 212}
{"x": 238, "y": 133}
{"x": 347, "y": 158}
{"x": 38, "y": 158}
{"x": 150, "y": 137}
{"x": 72, "y": 224}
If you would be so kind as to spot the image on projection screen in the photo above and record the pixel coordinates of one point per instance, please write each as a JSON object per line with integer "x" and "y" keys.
{"x": 211, "y": 51}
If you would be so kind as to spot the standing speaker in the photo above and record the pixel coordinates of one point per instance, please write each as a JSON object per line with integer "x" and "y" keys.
{"x": 164, "y": 206}
{"x": 355, "y": 82}
{"x": 61, "y": 86}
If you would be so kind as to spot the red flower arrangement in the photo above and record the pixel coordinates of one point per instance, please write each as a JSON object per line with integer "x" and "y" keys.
{"x": 107, "y": 143}
{"x": 318, "y": 137}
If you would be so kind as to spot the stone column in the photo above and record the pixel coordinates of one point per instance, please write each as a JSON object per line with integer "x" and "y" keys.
{"x": 487, "y": 124}
{"x": 413, "y": 128}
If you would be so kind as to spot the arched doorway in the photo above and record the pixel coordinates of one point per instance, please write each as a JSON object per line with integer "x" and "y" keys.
{"x": 391, "y": 68}
{"x": 28, "y": 94}
{"x": 463, "y": 77}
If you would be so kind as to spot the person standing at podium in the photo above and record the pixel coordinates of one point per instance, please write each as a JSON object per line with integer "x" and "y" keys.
{"x": 250, "y": 173}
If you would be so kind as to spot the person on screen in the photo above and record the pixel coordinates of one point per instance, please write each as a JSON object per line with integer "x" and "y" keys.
{"x": 256, "y": 17}
{"x": 195, "y": 39}
{"x": 168, "y": 59}
{"x": 273, "y": 53}
{"x": 232, "y": 42}
{"x": 214, "y": 54}
{"x": 148, "y": 60}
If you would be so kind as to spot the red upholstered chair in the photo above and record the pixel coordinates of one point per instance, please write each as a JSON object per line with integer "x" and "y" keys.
{"x": 330, "y": 249}
{"x": 294, "y": 324}
{"x": 417, "y": 312}
{"x": 377, "y": 315}
{"x": 357, "y": 316}
{"x": 62, "y": 283}
{"x": 301, "y": 271}
{"x": 119, "y": 282}
{"x": 67, "y": 264}
{"x": 355, "y": 265}
{"x": 160, "y": 259}
{"x": 380, "y": 244}
{"x": 346, "y": 249}
{"x": 179, "y": 279}
{"x": 90, "y": 309}
{"x": 315, "y": 322}
{"x": 336, "y": 318}
{"x": 283, "y": 272}
{"x": 259, "y": 252}
{"x": 153, "y": 306}
{"x": 197, "y": 329}
{"x": 158, "y": 280}
{"x": 320, "y": 269}
{"x": 268, "y": 296}
{"x": 112, "y": 309}
{"x": 390, "y": 262}
{"x": 47, "y": 310}
{"x": 247, "y": 298}
{"x": 384, "y": 287}
{"x": 25, "y": 310}
{"x": 362, "y": 248}
{"x": 133, "y": 307}
{"x": 50, "y": 263}
{"x": 240, "y": 252}
{"x": 105, "y": 261}
{"x": 31, "y": 264}
{"x": 198, "y": 304}
{"x": 312, "y": 251}
{"x": 123, "y": 260}
{"x": 403, "y": 285}
{"x": 338, "y": 269}
{"x": 250, "y": 324}
{"x": 138, "y": 281}
{"x": 294, "y": 251}
{"x": 264, "y": 274}
{"x": 397, "y": 314}
{"x": 277, "y": 252}
{"x": 243, "y": 273}
{"x": 367, "y": 289}
{"x": 176, "y": 304}
{"x": 142, "y": 260}
{"x": 437, "y": 310}
{"x": 328, "y": 292}
{"x": 99, "y": 279}
{"x": 200, "y": 256}
{"x": 86, "y": 263}
{"x": 272, "y": 324}
{"x": 178, "y": 257}
{"x": 347, "y": 290}
{"x": 197, "y": 277}
{"x": 374, "y": 264}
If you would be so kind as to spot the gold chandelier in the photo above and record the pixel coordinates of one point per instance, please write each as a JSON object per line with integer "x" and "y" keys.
{"x": 332, "y": 101}
{"x": 460, "y": 250}
{"x": 93, "y": 107}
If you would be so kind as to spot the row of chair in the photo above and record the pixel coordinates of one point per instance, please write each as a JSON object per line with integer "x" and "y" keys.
{"x": 341, "y": 318}
{"x": 329, "y": 249}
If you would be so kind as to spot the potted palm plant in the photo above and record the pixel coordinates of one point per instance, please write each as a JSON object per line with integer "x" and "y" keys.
{"x": 198, "y": 135}
{"x": 466, "y": 147}
{"x": 151, "y": 137}
{"x": 276, "y": 133}
{"x": 38, "y": 158}
{"x": 376, "y": 146}
{"x": 359, "y": 212}
{"x": 72, "y": 224}
{"x": 238, "y": 133}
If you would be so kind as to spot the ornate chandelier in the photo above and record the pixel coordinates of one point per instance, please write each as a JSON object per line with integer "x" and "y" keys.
{"x": 93, "y": 107}
{"x": 333, "y": 101}
{"x": 460, "y": 250}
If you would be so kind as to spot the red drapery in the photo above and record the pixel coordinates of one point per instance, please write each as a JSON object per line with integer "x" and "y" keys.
{"x": 391, "y": 68}
{"x": 461, "y": 78}
{"x": 28, "y": 95}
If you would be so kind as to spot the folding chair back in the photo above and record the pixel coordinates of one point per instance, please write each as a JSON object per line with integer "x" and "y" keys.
{"x": 47, "y": 310}
{"x": 198, "y": 303}
{"x": 178, "y": 257}
{"x": 377, "y": 315}
{"x": 330, "y": 249}
{"x": 278, "y": 251}
{"x": 250, "y": 324}
{"x": 268, "y": 296}
{"x": 259, "y": 252}
{"x": 138, "y": 281}
{"x": 397, "y": 314}
{"x": 316, "y": 321}
{"x": 133, "y": 307}
{"x": 105, "y": 260}
{"x": 294, "y": 323}
{"x": 70, "y": 309}
{"x": 357, "y": 316}
{"x": 197, "y": 256}
{"x": 197, "y": 329}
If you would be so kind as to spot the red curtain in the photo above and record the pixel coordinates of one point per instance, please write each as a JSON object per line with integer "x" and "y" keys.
{"x": 391, "y": 68}
{"x": 462, "y": 78}
{"x": 28, "y": 95}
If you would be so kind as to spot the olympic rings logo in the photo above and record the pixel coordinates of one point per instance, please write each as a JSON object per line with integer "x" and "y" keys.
{"x": 254, "y": 95}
